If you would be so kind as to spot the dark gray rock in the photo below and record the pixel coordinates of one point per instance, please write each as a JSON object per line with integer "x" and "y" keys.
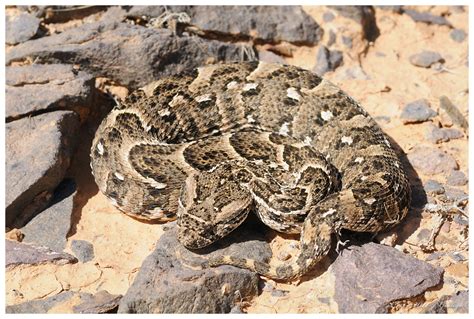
{"x": 417, "y": 111}
{"x": 365, "y": 15}
{"x": 270, "y": 57}
{"x": 369, "y": 277}
{"x": 431, "y": 160}
{"x": 458, "y": 35}
{"x": 427, "y": 17}
{"x": 37, "y": 165}
{"x": 36, "y": 88}
{"x": 130, "y": 55}
{"x": 101, "y": 302}
{"x": 50, "y": 227}
{"x": 327, "y": 60}
{"x": 20, "y": 28}
{"x": 167, "y": 283}
{"x": 457, "y": 178}
{"x": 41, "y": 305}
{"x": 260, "y": 23}
{"x": 438, "y": 306}
{"x": 436, "y": 135}
{"x": 425, "y": 58}
{"x": 83, "y": 250}
{"x": 453, "y": 112}
{"x": 17, "y": 253}
{"x": 433, "y": 187}
{"x": 459, "y": 302}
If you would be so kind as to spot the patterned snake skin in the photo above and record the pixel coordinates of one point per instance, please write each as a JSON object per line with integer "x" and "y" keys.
{"x": 210, "y": 146}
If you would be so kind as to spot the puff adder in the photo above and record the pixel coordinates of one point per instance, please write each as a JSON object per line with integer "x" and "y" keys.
{"x": 211, "y": 146}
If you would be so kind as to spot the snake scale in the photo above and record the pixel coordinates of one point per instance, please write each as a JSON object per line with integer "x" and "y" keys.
{"x": 210, "y": 146}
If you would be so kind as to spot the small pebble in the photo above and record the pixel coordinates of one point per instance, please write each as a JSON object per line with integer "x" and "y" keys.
{"x": 457, "y": 178}
{"x": 83, "y": 250}
{"x": 284, "y": 255}
{"x": 347, "y": 41}
{"x": 279, "y": 293}
{"x": 433, "y": 187}
{"x": 458, "y": 35}
{"x": 457, "y": 257}
{"x": 425, "y": 58}
{"x": 327, "y": 60}
{"x": 332, "y": 38}
{"x": 417, "y": 111}
{"x": 328, "y": 16}
{"x": 461, "y": 220}
{"x": 423, "y": 235}
{"x": 435, "y": 256}
{"x": 436, "y": 135}
{"x": 455, "y": 194}
{"x": 380, "y": 54}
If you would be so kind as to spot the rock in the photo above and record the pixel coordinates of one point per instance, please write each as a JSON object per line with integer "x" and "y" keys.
{"x": 425, "y": 58}
{"x": 347, "y": 41}
{"x": 457, "y": 178}
{"x": 236, "y": 309}
{"x": 457, "y": 257}
{"x": 279, "y": 293}
{"x": 328, "y": 16}
{"x": 69, "y": 302}
{"x": 167, "y": 283}
{"x": 459, "y": 302}
{"x": 438, "y": 306}
{"x": 365, "y": 15}
{"x": 331, "y": 38}
{"x": 433, "y": 187}
{"x": 427, "y": 17}
{"x": 19, "y": 253}
{"x": 101, "y": 302}
{"x": 130, "y": 55}
{"x": 353, "y": 73}
{"x": 453, "y": 112}
{"x": 20, "y": 28}
{"x": 327, "y": 60}
{"x": 42, "y": 305}
{"x": 417, "y": 111}
{"x": 431, "y": 160}
{"x": 83, "y": 250}
{"x": 458, "y": 35}
{"x": 50, "y": 227}
{"x": 436, "y": 135}
{"x": 455, "y": 194}
{"x": 270, "y": 57}
{"x": 37, "y": 165}
{"x": 391, "y": 276}
{"x": 36, "y": 88}
{"x": 270, "y": 24}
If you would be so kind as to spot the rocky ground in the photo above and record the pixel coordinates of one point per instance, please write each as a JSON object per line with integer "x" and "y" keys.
{"x": 68, "y": 250}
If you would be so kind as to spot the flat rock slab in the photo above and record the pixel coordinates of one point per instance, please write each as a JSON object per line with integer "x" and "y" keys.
{"x": 20, "y": 28}
{"x": 171, "y": 279}
{"x": 50, "y": 227}
{"x": 71, "y": 302}
{"x": 369, "y": 277}
{"x": 38, "y": 151}
{"x": 130, "y": 55}
{"x": 431, "y": 161}
{"x": 83, "y": 250}
{"x": 17, "y": 253}
{"x": 34, "y": 88}
{"x": 262, "y": 23}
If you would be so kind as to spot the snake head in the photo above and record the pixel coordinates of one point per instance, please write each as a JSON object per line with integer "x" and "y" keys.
{"x": 212, "y": 204}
